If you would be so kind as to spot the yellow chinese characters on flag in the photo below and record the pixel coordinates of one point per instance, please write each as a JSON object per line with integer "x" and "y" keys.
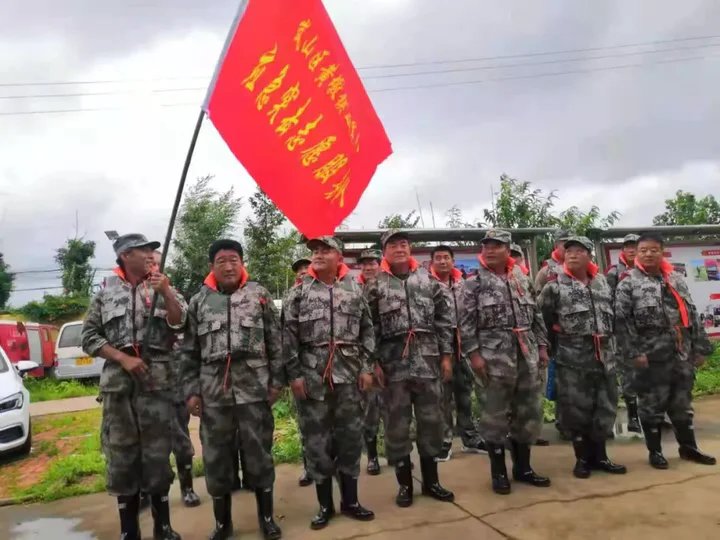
{"x": 291, "y": 107}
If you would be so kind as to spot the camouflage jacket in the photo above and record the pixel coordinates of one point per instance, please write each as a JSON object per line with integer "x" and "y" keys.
{"x": 615, "y": 272}
{"x": 648, "y": 320}
{"x": 413, "y": 323}
{"x": 501, "y": 321}
{"x": 118, "y": 316}
{"x": 327, "y": 333}
{"x": 455, "y": 291}
{"x": 232, "y": 349}
{"x": 549, "y": 268}
{"x": 580, "y": 321}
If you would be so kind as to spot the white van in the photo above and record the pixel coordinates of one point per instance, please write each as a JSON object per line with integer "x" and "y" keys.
{"x": 70, "y": 360}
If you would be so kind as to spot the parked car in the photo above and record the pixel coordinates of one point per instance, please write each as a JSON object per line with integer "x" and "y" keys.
{"x": 70, "y": 360}
{"x": 29, "y": 341}
{"x": 15, "y": 426}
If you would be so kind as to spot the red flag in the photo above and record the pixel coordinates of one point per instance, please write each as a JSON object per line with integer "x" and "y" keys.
{"x": 291, "y": 107}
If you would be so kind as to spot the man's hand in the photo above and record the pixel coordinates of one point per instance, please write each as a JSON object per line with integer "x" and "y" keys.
{"x": 160, "y": 283}
{"x": 133, "y": 364}
{"x": 194, "y": 405}
{"x": 641, "y": 362}
{"x": 273, "y": 394}
{"x": 298, "y": 388}
{"x": 544, "y": 357}
{"x": 365, "y": 382}
{"x": 699, "y": 360}
{"x": 477, "y": 363}
{"x": 379, "y": 376}
{"x": 446, "y": 368}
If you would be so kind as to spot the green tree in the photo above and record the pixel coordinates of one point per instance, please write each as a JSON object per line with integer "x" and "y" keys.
{"x": 56, "y": 309}
{"x": 519, "y": 206}
{"x": 580, "y": 222}
{"x": 205, "y": 216}
{"x": 270, "y": 247}
{"x": 77, "y": 273}
{"x": 398, "y": 221}
{"x": 6, "y": 282}
{"x": 687, "y": 209}
{"x": 455, "y": 220}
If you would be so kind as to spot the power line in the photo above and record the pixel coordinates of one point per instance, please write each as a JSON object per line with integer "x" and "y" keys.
{"x": 409, "y": 87}
{"x": 388, "y": 75}
{"x": 389, "y": 66}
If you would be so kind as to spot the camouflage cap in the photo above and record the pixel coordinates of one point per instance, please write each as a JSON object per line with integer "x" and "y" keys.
{"x": 514, "y": 248}
{"x": 393, "y": 233}
{"x": 329, "y": 241}
{"x": 497, "y": 235}
{"x": 126, "y": 242}
{"x": 300, "y": 262}
{"x": 584, "y": 241}
{"x": 562, "y": 234}
{"x": 369, "y": 254}
{"x": 631, "y": 239}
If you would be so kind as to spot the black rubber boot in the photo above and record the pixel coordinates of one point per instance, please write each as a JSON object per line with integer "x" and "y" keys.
{"x": 161, "y": 518}
{"x": 403, "y": 473}
{"x": 349, "y": 504}
{"x": 189, "y": 497}
{"x": 632, "y": 414}
{"x": 430, "y": 482}
{"x": 327, "y": 507}
{"x": 129, "y": 508}
{"x": 264, "y": 499}
{"x": 222, "y": 510}
{"x": 601, "y": 461}
{"x": 304, "y": 479}
{"x": 498, "y": 470}
{"x": 653, "y": 441}
{"x": 522, "y": 471}
{"x": 583, "y": 454}
{"x": 685, "y": 435}
{"x": 373, "y": 465}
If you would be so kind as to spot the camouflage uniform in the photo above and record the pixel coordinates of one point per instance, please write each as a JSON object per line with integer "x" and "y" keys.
{"x": 413, "y": 328}
{"x": 649, "y": 322}
{"x": 136, "y": 431}
{"x": 231, "y": 355}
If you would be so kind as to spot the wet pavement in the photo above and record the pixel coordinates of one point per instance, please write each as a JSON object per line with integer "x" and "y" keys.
{"x": 681, "y": 502}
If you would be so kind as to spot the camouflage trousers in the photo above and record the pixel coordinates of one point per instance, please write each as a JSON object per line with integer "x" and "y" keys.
{"x": 625, "y": 376}
{"x": 587, "y": 399}
{"x": 182, "y": 447}
{"x": 136, "y": 438}
{"x": 457, "y": 398}
{"x": 665, "y": 387}
{"x": 512, "y": 406}
{"x": 332, "y": 431}
{"x": 372, "y": 410}
{"x": 219, "y": 427}
{"x": 401, "y": 398}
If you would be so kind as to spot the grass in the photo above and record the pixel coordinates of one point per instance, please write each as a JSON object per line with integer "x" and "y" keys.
{"x": 707, "y": 378}
{"x": 51, "y": 389}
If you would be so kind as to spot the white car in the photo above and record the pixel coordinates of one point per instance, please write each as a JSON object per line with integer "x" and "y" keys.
{"x": 70, "y": 360}
{"x": 15, "y": 429}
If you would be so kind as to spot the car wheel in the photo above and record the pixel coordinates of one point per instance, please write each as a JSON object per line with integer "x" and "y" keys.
{"x": 25, "y": 448}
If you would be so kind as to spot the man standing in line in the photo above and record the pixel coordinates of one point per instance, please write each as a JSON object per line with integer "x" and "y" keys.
{"x": 413, "y": 331}
{"x": 459, "y": 390}
{"x": 577, "y": 308}
{"x": 659, "y": 330}
{"x": 136, "y": 381}
{"x": 232, "y": 373}
{"x": 328, "y": 342}
{"x": 504, "y": 336}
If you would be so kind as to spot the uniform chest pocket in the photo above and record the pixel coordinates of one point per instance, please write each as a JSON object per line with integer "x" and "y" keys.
{"x": 526, "y": 311}
{"x": 110, "y": 313}
{"x": 576, "y": 319}
{"x": 393, "y": 316}
{"x": 213, "y": 341}
{"x": 251, "y": 335}
{"x": 347, "y": 322}
{"x": 648, "y": 312}
{"x": 312, "y": 327}
{"x": 493, "y": 312}
{"x": 424, "y": 310}
{"x": 115, "y": 326}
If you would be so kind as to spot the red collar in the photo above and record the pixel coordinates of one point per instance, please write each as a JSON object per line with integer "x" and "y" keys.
{"x": 592, "y": 271}
{"x": 624, "y": 260}
{"x": 119, "y": 272}
{"x": 556, "y": 257}
{"x": 211, "y": 283}
{"x": 385, "y": 266}
{"x": 509, "y": 265}
{"x": 361, "y": 279}
{"x": 525, "y": 270}
{"x": 343, "y": 270}
{"x": 665, "y": 268}
{"x": 455, "y": 275}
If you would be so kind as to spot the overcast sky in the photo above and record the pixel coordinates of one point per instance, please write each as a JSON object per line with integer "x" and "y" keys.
{"x": 624, "y": 138}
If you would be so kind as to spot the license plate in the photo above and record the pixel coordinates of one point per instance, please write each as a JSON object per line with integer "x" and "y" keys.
{"x": 87, "y": 361}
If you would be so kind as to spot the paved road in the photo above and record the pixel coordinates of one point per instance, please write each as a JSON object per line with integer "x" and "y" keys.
{"x": 57, "y": 406}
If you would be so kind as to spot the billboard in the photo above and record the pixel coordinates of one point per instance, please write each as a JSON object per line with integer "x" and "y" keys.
{"x": 700, "y": 265}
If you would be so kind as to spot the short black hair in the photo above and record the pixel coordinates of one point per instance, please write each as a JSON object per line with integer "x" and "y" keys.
{"x": 651, "y": 237}
{"x": 224, "y": 244}
{"x": 441, "y": 249}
